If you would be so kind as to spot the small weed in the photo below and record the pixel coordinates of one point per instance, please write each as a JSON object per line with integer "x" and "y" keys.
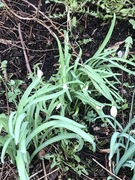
{"x": 90, "y": 117}
{"x": 103, "y": 9}
{"x": 12, "y": 87}
{"x": 132, "y": 22}
{"x": 14, "y": 90}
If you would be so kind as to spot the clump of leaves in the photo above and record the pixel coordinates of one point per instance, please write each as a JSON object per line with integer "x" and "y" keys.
{"x": 122, "y": 8}
{"x": 103, "y": 8}
{"x": 73, "y": 5}
{"x": 88, "y": 81}
{"x": 74, "y": 86}
{"x": 24, "y": 127}
{"x": 123, "y": 144}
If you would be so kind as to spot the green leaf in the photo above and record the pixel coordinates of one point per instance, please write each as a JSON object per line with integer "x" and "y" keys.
{"x": 22, "y": 170}
{"x": 4, "y": 149}
{"x": 124, "y": 158}
{"x": 59, "y": 138}
{"x": 11, "y": 123}
{"x": 132, "y": 22}
{"x": 62, "y": 124}
{"x": 113, "y": 144}
{"x": 107, "y": 38}
{"x": 17, "y": 131}
{"x": 3, "y": 122}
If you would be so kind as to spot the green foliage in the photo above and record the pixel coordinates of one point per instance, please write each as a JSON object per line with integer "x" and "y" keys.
{"x": 86, "y": 82}
{"x": 13, "y": 87}
{"x": 77, "y": 86}
{"x": 122, "y": 146}
{"x": 72, "y": 161}
{"x": 3, "y": 68}
{"x": 132, "y": 22}
{"x": 14, "y": 90}
{"x": 122, "y": 8}
{"x": 90, "y": 117}
{"x": 1, "y": 5}
{"x": 25, "y": 127}
{"x": 72, "y": 4}
{"x": 103, "y": 8}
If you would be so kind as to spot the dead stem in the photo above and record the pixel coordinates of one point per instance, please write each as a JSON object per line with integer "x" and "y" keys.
{"x": 49, "y": 173}
{"x": 43, "y": 164}
{"x": 106, "y": 169}
{"x": 24, "y": 49}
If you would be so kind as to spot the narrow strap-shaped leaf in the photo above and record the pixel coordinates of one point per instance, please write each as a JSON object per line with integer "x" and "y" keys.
{"x": 107, "y": 38}
{"x": 59, "y": 138}
{"x": 124, "y": 158}
{"x": 4, "y": 149}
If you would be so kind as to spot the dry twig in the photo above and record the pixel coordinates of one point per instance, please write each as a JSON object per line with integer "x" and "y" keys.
{"x": 24, "y": 49}
{"x": 49, "y": 173}
{"x": 106, "y": 169}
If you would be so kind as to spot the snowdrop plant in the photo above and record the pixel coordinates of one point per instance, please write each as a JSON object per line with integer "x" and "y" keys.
{"x": 90, "y": 80}
{"x": 75, "y": 86}
{"x": 122, "y": 146}
{"x": 24, "y": 128}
